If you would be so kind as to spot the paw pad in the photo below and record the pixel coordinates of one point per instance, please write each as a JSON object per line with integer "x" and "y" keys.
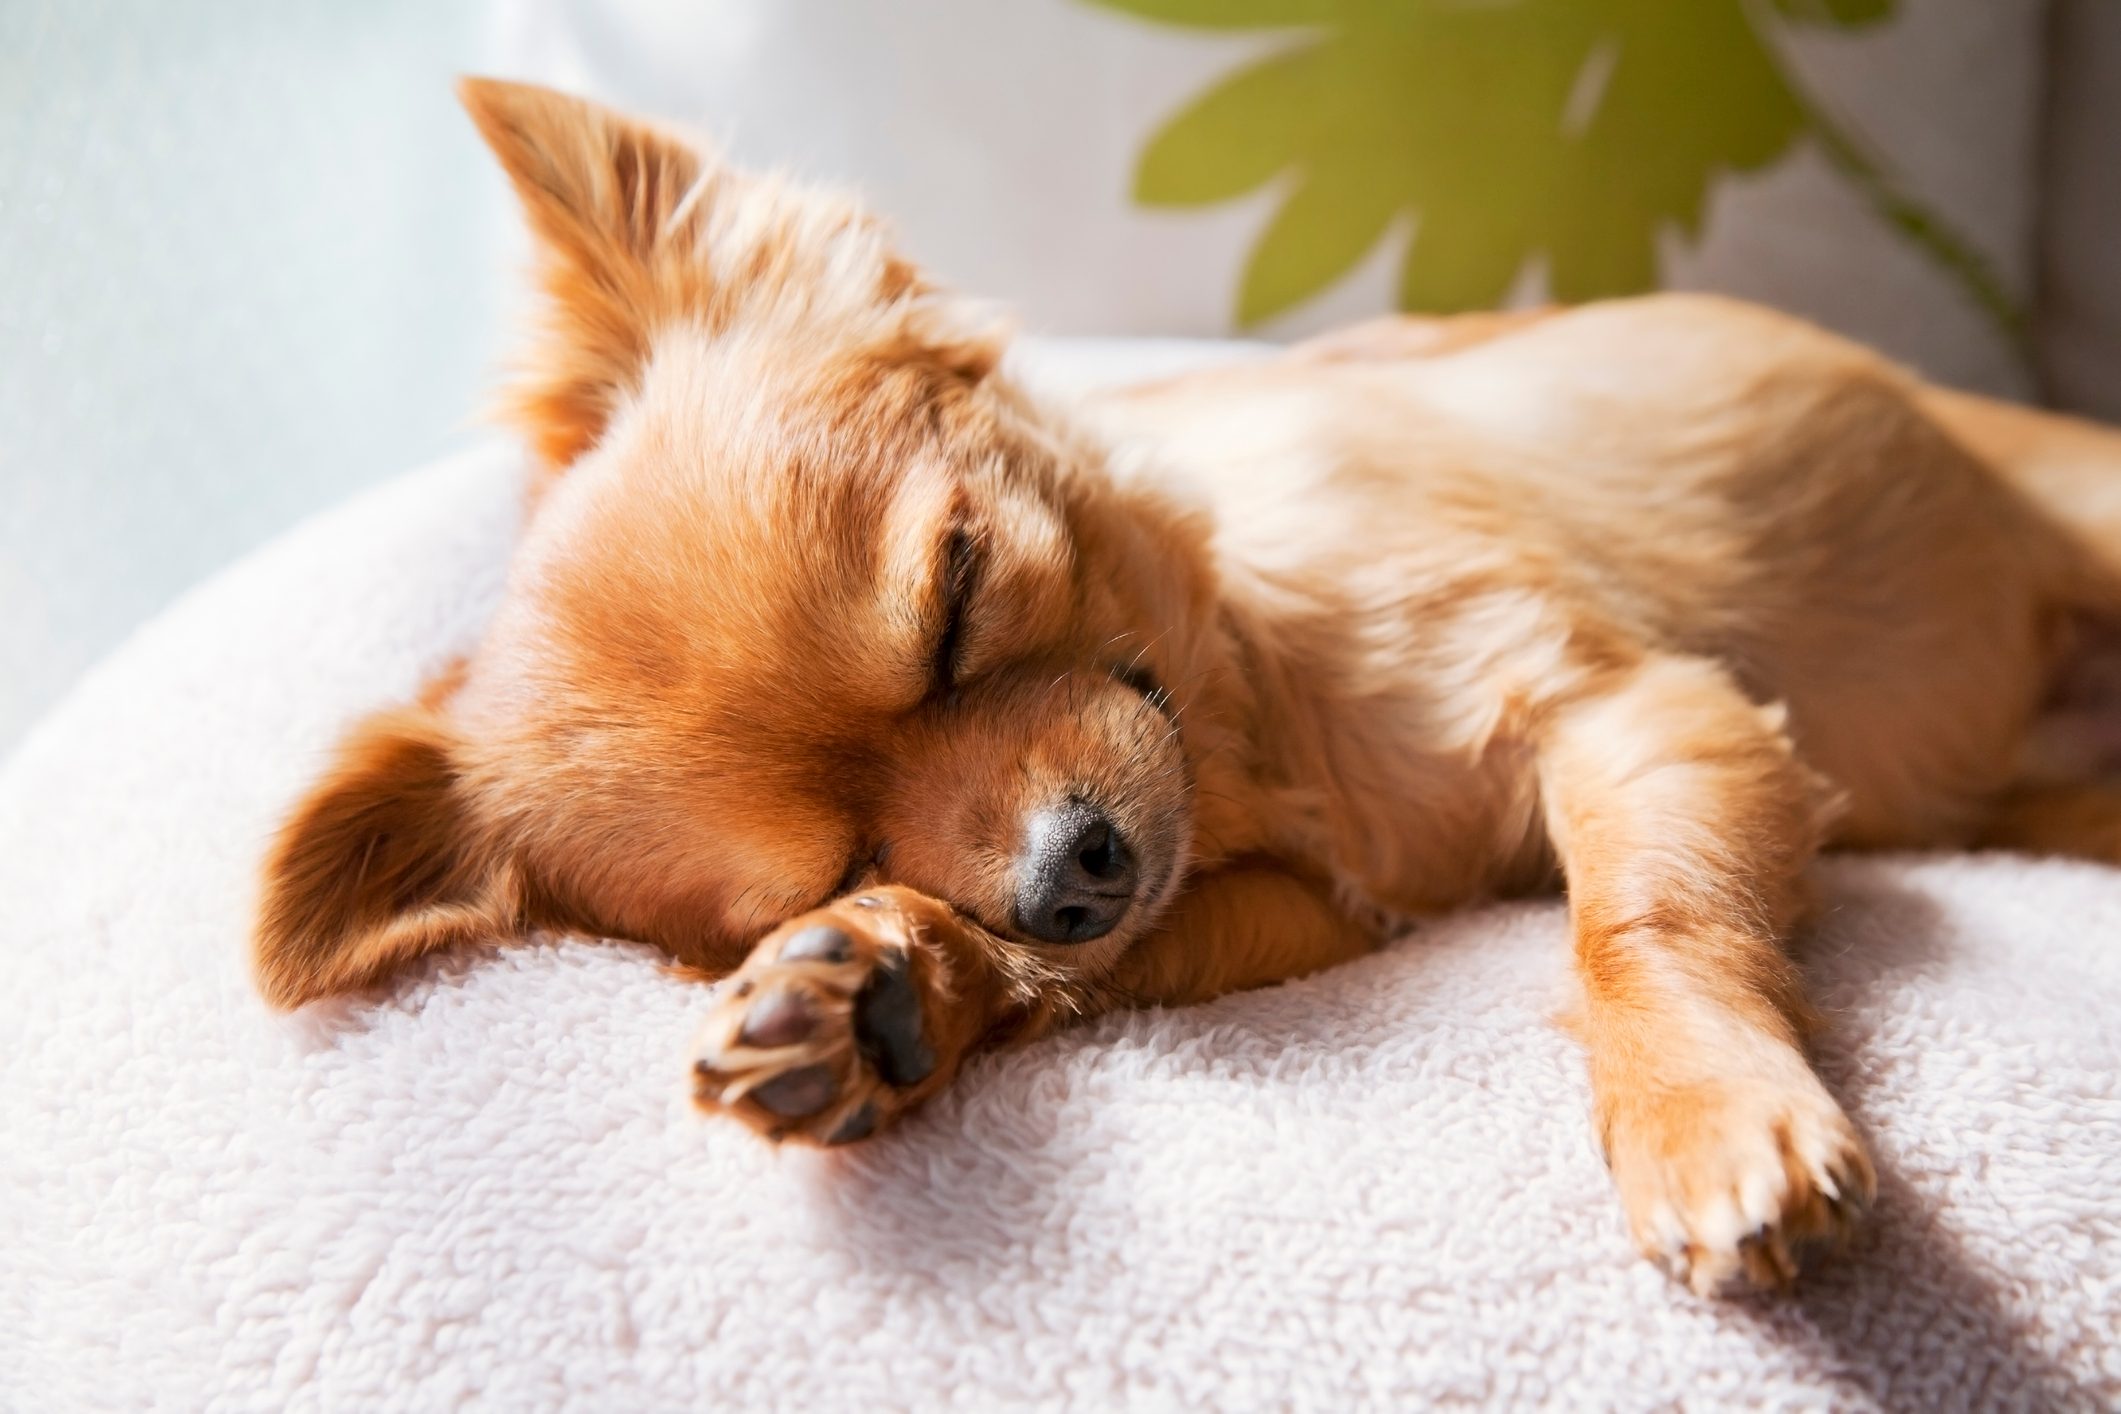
{"x": 823, "y": 1033}
{"x": 887, "y": 1025}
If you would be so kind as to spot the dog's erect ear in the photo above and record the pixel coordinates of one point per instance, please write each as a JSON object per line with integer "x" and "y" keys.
{"x": 598, "y": 188}
{"x": 378, "y": 865}
{"x": 616, "y": 206}
{"x": 639, "y": 229}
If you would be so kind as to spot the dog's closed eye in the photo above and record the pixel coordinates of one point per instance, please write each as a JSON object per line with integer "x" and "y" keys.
{"x": 960, "y": 574}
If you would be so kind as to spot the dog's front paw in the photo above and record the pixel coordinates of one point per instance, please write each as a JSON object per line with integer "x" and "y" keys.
{"x": 825, "y": 1033}
{"x": 1738, "y": 1179}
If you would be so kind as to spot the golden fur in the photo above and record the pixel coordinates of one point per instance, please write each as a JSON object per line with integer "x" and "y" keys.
{"x": 1656, "y": 597}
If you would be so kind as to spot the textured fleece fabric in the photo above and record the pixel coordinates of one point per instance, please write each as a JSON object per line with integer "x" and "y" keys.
{"x": 483, "y": 1187}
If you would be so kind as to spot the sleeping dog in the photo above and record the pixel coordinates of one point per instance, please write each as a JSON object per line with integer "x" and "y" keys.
{"x": 935, "y": 715}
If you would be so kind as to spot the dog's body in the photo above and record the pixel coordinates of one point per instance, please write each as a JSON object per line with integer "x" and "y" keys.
{"x": 987, "y": 714}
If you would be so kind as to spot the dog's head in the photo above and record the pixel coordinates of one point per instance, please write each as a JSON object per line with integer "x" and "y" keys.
{"x": 810, "y": 595}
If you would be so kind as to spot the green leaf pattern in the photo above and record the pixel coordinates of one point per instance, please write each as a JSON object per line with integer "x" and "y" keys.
{"x": 1576, "y": 130}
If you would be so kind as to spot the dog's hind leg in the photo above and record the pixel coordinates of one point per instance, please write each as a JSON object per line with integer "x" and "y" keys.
{"x": 2067, "y": 800}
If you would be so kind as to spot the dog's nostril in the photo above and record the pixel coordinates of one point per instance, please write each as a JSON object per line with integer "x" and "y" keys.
{"x": 1075, "y": 875}
{"x": 1099, "y": 858}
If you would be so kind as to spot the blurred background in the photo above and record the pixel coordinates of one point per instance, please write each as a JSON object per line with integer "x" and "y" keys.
{"x": 252, "y": 258}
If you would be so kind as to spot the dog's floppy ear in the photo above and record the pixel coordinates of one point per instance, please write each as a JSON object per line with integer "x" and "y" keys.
{"x": 615, "y": 206}
{"x": 379, "y": 864}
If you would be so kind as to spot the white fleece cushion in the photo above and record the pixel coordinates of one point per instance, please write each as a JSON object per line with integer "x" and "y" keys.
{"x": 483, "y": 1188}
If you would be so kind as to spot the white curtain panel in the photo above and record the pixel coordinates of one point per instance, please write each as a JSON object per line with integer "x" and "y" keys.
{"x": 246, "y": 267}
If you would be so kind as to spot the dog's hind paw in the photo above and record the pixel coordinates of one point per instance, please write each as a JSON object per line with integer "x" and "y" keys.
{"x": 827, "y": 1032}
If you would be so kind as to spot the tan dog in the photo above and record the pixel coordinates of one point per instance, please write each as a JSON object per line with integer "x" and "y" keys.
{"x": 985, "y": 714}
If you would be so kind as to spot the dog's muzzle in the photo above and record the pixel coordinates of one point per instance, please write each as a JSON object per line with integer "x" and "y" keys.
{"x": 1076, "y": 877}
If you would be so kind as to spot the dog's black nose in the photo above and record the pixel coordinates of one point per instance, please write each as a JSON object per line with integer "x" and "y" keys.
{"x": 1075, "y": 875}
